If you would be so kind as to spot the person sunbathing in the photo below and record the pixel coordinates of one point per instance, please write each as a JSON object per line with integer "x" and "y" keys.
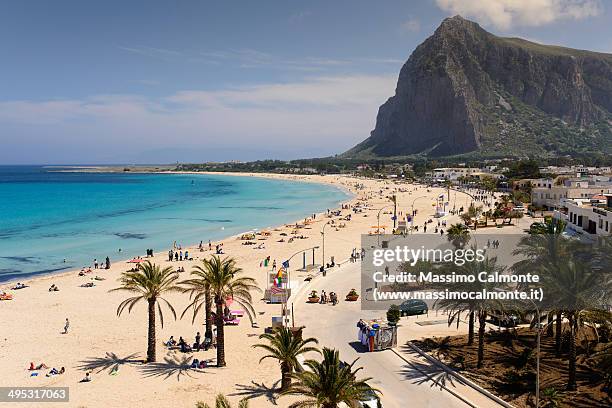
{"x": 55, "y": 371}
{"x": 38, "y": 367}
{"x": 87, "y": 378}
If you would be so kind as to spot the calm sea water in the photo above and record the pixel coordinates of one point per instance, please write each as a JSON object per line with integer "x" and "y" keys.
{"x": 52, "y": 221}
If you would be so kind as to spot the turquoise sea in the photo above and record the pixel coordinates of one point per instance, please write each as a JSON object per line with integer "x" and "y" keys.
{"x": 53, "y": 221}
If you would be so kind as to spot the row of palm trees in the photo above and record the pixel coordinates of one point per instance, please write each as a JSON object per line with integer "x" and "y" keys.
{"x": 215, "y": 281}
{"x": 501, "y": 211}
{"x": 575, "y": 278}
{"x": 326, "y": 383}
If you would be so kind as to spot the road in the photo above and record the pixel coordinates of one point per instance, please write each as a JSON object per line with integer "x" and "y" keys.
{"x": 402, "y": 384}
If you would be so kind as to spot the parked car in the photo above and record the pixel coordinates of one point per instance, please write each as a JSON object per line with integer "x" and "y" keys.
{"x": 413, "y": 307}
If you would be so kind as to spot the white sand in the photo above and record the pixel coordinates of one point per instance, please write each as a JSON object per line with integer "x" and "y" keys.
{"x": 32, "y": 323}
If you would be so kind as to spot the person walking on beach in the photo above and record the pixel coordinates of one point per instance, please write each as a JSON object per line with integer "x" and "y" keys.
{"x": 107, "y": 262}
{"x": 66, "y": 326}
{"x": 95, "y": 264}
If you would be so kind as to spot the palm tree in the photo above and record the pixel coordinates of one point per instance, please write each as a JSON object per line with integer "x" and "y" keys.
{"x": 479, "y": 308}
{"x": 284, "y": 346}
{"x": 543, "y": 248}
{"x": 580, "y": 289}
{"x": 222, "y": 276}
{"x": 150, "y": 283}
{"x": 198, "y": 288}
{"x": 328, "y": 383}
{"x": 458, "y": 235}
{"x": 222, "y": 402}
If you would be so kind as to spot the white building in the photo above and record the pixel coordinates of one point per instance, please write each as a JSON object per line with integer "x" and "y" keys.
{"x": 550, "y": 193}
{"x": 590, "y": 219}
{"x": 453, "y": 173}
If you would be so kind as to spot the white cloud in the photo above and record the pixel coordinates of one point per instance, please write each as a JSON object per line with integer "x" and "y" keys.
{"x": 505, "y": 14}
{"x": 411, "y": 25}
{"x": 251, "y": 58}
{"x": 333, "y": 112}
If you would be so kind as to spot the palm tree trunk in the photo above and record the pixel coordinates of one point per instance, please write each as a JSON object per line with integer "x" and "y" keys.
{"x": 471, "y": 329}
{"x": 220, "y": 333}
{"x": 151, "y": 333}
{"x": 482, "y": 316}
{"x": 549, "y": 325}
{"x": 571, "y": 378}
{"x": 558, "y": 327}
{"x": 208, "y": 314}
{"x": 285, "y": 376}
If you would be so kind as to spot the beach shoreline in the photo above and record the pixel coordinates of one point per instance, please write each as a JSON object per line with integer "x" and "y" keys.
{"x": 7, "y": 284}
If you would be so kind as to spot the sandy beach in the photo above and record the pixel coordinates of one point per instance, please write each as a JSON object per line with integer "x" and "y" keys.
{"x": 98, "y": 340}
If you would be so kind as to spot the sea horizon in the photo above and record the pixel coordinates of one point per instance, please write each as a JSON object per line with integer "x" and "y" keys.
{"x": 54, "y": 222}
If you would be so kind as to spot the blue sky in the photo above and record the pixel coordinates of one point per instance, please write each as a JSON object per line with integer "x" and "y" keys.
{"x": 165, "y": 81}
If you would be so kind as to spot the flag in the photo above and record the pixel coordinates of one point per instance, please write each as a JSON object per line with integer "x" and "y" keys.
{"x": 276, "y": 290}
{"x": 286, "y": 264}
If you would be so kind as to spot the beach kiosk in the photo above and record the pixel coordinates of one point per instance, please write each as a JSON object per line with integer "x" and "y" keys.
{"x": 376, "y": 335}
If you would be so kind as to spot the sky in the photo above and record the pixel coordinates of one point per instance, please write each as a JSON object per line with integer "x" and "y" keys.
{"x": 122, "y": 82}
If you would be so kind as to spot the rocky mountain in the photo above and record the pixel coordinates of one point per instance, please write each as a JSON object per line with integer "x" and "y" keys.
{"x": 466, "y": 90}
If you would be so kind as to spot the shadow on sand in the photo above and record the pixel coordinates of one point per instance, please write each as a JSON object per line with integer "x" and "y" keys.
{"x": 256, "y": 390}
{"x": 110, "y": 362}
{"x": 171, "y": 366}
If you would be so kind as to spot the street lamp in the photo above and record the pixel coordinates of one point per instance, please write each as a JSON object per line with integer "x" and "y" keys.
{"x": 378, "y": 221}
{"x": 539, "y": 333}
{"x": 289, "y": 282}
{"x": 394, "y": 199}
{"x": 323, "y": 249}
{"x": 538, "y": 336}
{"x": 412, "y": 216}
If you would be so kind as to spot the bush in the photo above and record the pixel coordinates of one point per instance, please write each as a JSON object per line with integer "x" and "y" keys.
{"x": 393, "y": 314}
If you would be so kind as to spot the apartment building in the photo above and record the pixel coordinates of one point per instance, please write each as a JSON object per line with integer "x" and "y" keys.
{"x": 549, "y": 193}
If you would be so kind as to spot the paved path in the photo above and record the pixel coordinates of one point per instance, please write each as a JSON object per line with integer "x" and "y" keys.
{"x": 405, "y": 378}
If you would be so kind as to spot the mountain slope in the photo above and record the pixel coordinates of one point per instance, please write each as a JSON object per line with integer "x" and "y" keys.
{"x": 466, "y": 90}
